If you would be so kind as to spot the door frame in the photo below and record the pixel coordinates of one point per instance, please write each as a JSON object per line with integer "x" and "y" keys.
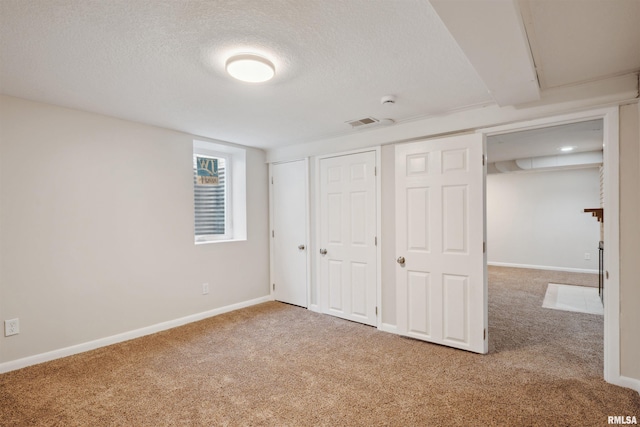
{"x": 307, "y": 222}
{"x": 611, "y": 162}
{"x": 317, "y": 212}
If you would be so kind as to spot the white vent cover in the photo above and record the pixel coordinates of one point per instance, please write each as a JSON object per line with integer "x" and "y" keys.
{"x": 367, "y": 121}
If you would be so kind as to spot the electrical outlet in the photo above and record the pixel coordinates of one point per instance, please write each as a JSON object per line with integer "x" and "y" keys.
{"x": 587, "y": 256}
{"x": 11, "y": 327}
{"x": 205, "y": 288}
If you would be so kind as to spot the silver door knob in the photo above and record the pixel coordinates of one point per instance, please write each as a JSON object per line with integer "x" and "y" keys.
{"x": 323, "y": 251}
{"x": 400, "y": 260}
{"x": 301, "y": 247}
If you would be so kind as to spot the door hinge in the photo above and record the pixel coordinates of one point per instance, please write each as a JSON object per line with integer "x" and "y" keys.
{"x": 375, "y": 240}
{"x": 272, "y": 179}
{"x": 484, "y": 247}
{"x": 484, "y": 159}
{"x": 274, "y": 286}
{"x": 273, "y": 233}
{"x": 375, "y": 171}
{"x": 376, "y": 311}
{"x": 485, "y": 334}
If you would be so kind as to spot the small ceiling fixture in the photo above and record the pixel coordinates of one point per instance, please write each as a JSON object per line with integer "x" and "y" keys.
{"x": 251, "y": 68}
{"x": 567, "y": 149}
{"x": 388, "y": 100}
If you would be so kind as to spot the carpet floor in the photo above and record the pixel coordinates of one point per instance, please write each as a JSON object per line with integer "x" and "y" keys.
{"x": 276, "y": 364}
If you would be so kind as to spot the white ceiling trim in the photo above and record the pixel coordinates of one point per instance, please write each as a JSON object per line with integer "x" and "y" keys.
{"x": 493, "y": 38}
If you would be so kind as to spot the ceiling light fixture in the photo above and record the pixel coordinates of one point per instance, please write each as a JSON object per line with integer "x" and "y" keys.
{"x": 567, "y": 149}
{"x": 388, "y": 100}
{"x": 250, "y": 68}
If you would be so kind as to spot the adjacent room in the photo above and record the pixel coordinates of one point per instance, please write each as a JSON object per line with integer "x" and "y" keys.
{"x": 305, "y": 212}
{"x": 544, "y": 244}
{"x": 540, "y": 185}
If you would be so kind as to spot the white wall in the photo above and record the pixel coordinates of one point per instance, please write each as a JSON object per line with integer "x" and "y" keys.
{"x": 96, "y": 229}
{"x": 388, "y": 238}
{"x": 537, "y": 219}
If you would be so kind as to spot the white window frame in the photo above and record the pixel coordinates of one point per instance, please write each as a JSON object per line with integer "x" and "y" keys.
{"x": 235, "y": 190}
{"x": 228, "y": 196}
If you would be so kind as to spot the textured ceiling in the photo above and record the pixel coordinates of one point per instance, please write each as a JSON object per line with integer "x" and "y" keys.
{"x": 161, "y": 62}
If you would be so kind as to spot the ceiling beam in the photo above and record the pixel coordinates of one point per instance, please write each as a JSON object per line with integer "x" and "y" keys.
{"x": 492, "y": 36}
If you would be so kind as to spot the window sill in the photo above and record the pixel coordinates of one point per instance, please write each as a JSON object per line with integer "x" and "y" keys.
{"x": 206, "y": 242}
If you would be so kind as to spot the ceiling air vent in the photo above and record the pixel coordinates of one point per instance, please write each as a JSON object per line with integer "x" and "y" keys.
{"x": 362, "y": 122}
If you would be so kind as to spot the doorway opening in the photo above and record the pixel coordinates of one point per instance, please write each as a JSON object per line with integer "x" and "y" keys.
{"x": 610, "y": 194}
{"x": 539, "y": 184}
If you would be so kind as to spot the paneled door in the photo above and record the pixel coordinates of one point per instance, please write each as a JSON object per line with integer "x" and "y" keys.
{"x": 347, "y": 244}
{"x": 441, "y": 279}
{"x": 289, "y": 233}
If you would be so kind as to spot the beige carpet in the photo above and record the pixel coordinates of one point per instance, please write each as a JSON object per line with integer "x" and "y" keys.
{"x": 276, "y": 364}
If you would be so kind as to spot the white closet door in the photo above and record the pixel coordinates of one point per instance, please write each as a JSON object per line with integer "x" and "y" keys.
{"x": 441, "y": 279}
{"x": 347, "y": 237}
{"x": 289, "y": 234}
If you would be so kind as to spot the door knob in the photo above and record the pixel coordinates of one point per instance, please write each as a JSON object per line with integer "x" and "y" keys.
{"x": 323, "y": 251}
{"x": 301, "y": 247}
{"x": 400, "y": 260}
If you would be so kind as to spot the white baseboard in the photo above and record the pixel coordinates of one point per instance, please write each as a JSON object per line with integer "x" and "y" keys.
{"x": 627, "y": 382}
{"x": 387, "y": 327}
{"x": 315, "y": 307}
{"x": 543, "y": 267}
{"x": 125, "y": 336}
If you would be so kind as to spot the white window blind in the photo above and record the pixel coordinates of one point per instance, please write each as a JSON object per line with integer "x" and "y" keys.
{"x": 211, "y": 207}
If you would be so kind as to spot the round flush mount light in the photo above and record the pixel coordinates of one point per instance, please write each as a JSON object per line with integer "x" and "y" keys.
{"x": 251, "y": 68}
{"x": 567, "y": 149}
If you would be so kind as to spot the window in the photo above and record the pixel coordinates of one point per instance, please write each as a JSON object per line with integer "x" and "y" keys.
{"x": 211, "y": 199}
{"x": 219, "y": 192}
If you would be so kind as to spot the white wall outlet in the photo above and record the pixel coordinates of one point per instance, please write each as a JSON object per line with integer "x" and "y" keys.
{"x": 11, "y": 327}
{"x": 587, "y": 256}
{"x": 205, "y": 288}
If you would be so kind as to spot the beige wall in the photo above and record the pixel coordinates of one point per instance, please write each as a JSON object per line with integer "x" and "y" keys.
{"x": 536, "y": 219}
{"x": 629, "y": 241}
{"x": 96, "y": 229}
